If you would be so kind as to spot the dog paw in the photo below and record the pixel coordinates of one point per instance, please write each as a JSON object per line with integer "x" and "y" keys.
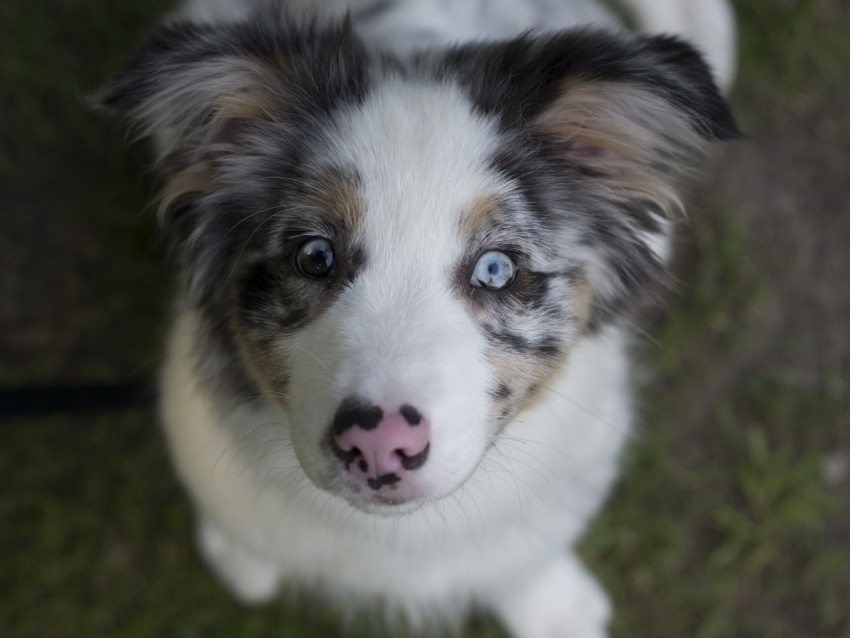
{"x": 252, "y": 579}
{"x": 562, "y": 600}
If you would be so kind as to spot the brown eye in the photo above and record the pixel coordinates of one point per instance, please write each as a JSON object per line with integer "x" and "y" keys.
{"x": 315, "y": 258}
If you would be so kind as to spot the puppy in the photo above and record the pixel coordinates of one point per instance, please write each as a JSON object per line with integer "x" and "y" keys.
{"x": 407, "y": 239}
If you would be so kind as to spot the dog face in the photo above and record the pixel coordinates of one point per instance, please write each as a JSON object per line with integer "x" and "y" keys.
{"x": 402, "y": 252}
{"x": 406, "y": 310}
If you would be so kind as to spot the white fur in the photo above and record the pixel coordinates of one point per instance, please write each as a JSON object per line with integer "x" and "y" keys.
{"x": 559, "y": 599}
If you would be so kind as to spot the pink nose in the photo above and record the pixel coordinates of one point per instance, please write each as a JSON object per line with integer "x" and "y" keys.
{"x": 379, "y": 450}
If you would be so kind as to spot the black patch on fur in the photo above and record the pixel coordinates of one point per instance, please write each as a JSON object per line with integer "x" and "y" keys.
{"x": 270, "y": 304}
{"x": 545, "y": 348}
{"x": 354, "y": 411}
{"x": 501, "y": 393}
{"x": 262, "y": 296}
{"x": 410, "y": 414}
{"x": 519, "y": 161}
{"x": 257, "y": 290}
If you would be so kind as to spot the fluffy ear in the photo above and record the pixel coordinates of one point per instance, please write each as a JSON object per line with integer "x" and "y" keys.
{"x": 199, "y": 90}
{"x": 189, "y": 85}
{"x": 641, "y": 123}
{"x": 618, "y": 123}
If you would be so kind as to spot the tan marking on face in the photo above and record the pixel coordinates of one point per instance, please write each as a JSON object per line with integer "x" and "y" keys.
{"x": 337, "y": 195}
{"x": 264, "y": 365}
{"x": 582, "y": 306}
{"x": 528, "y": 379}
{"x": 538, "y": 388}
{"x": 481, "y": 215}
{"x": 191, "y": 181}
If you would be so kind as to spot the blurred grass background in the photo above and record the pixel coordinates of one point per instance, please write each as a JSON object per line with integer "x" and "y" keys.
{"x": 732, "y": 518}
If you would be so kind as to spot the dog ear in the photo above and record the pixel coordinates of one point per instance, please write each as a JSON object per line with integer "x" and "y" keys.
{"x": 198, "y": 89}
{"x": 212, "y": 97}
{"x": 637, "y": 116}
{"x": 622, "y": 122}
{"x": 192, "y": 87}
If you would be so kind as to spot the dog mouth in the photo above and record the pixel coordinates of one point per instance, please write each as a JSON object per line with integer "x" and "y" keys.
{"x": 391, "y": 499}
{"x": 381, "y": 504}
{"x": 388, "y": 499}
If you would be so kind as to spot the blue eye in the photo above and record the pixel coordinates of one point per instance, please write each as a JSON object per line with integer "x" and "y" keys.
{"x": 493, "y": 270}
{"x": 315, "y": 257}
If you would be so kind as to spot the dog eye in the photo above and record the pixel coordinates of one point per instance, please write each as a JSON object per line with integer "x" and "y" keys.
{"x": 493, "y": 270}
{"x": 315, "y": 258}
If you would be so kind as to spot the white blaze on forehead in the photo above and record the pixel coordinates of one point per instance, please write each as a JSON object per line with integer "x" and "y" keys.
{"x": 422, "y": 154}
{"x": 399, "y": 333}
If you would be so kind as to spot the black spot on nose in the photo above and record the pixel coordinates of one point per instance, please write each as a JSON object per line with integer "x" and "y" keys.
{"x": 410, "y": 414}
{"x": 384, "y": 479}
{"x": 353, "y": 411}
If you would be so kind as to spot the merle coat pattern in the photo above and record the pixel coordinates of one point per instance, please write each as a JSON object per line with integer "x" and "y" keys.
{"x": 398, "y": 370}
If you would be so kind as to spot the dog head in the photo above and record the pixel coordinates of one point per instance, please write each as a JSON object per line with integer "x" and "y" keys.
{"x": 404, "y": 251}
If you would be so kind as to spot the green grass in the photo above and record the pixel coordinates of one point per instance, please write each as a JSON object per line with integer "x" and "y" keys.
{"x": 725, "y": 523}
{"x": 792, "y": 49}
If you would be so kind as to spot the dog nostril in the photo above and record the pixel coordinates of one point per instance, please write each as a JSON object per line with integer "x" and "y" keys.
{"x": 415, "y": 461}
{"x": 348, "y": 456}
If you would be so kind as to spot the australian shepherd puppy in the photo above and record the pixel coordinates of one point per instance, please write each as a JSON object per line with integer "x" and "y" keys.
{"x": 407, "y": 235}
